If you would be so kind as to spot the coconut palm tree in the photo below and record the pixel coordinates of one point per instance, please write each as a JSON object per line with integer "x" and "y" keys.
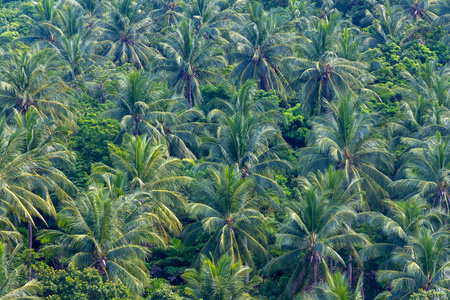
{"x": 8, "y": 232}
{"x": 189, "y": 61}
{"x": 332, "y": 184}
{"x": 134, "y": 96}
{"x": 418, "y": 117}
{"x": 148, "y": 168}
{"x": 388, "y": 23}
{"x": 317, "y": 228}
{"x": 107, "y": 230}
{"x": 349, "y": 45}
{"x": 419, "y": 9}
{"x": 91, "y": 7}
{"x": 431, "y": 81}
{"x": 78, "y": 44}
{"x": 44, "y": 29}
{"x": 24, "y": 192}
{"x": 421, "y": 264}
{"x": 260, "y": 44}
{"x": 344, "y": 139}
{"x": 144, "y": 106}
{"x": 126, "y": 27}
{"x": 404, "y": 219}
{"x": 336, "y": 287}
{"x": 10, "y": 278}
{"x": 324, "y": 79}
{"x": 164, "y": 13}
{"x": 78, "y": 52}
{"x": 321, "y": 38}
{"x": 226, "y": 205}
{"x": 425, "y": 170}
{"x": 246, "y": 132}
{"x": 43, "y": 144}
{"x": 33, "y": 78}
{"x": 210, "y": 17}
{"x": 71, "y": 19}
{"x": 221, "y": 280}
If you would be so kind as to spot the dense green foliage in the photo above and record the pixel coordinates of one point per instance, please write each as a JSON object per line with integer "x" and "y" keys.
{"x": 225, "y": 149}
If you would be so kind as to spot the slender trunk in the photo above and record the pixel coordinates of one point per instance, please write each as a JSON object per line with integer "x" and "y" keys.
{"x": 350, "y": 270}
{"x": 190, "y": 93}
{"x": 30, "y": 235}
{"x": 350, "y": 267}
{"x": 315, "y": 271}
{"x": 331, "y": 265}
{"x": 327, "y": 91}
{"x": 136, "y": 127}
{"x": 247, "y": 276}
{"x": 266, "y": 83}
{"x": 446, "y": 240}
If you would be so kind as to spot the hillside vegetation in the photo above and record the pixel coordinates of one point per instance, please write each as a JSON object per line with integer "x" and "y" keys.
{"x": 224, "y": 149}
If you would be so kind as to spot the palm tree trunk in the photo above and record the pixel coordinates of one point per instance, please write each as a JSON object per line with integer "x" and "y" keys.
{"x": 350, "y": 270}
{"x": 315, "y": 271}
{"x": 327, "y": 91}
{"x": 136, "y": 128}
{"x": 331, "y": 265}
{"x": 190, "y": 93}
{"x": 266, "y": 83}
{"x": 247, "y": 276}
{"x": 30, "y": 235}
{"x": 350, "y": 267}
{"x": 446, "y": 240}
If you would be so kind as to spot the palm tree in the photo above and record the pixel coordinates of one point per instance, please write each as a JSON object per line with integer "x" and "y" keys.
{"x": 419, "y": 9}
{"x": 33, "y": 78}
{"x": 336, "y": 287}
{"x": 322, "y": 38}
{"x": 344, "y": 138}
{"x": 23, "y": 191}
{"x": 404, "y": 219}
{"x": 349, "y": 45}
{"x": 164, "y": 13}
{"x": 44, "y": 29}
{"x": 126, "y": 28}
{"x": 246, "y": 132}
{"x": 77, "y": 44}
{"x": 260, "y": 44}
{"x": 227, "y": 210}
{"x": 317, "y": 228}
{"x": 43, "y": 141}
{"x": 301, "y": 14}
{"x": 147, "y": 167}
{"x": 426, "y": 168}
{"x": 421, "y": 264}
{"x": 134, "y": 102}
{"x": 71, "y": 20}
{"x": 78, "y": 54}
{"x": 388, "y": 23}
{"x": 145, "y": 106}
{"x": 92, "y": 7}
{"x": 221, "y": 280}
{"x": 8, "y": 232}
{"x": 332, "y": 184}
{"x": 326, "y": 78}
{"x": 210, "y": 17}
{"x": 189, "y": 61}
{"x": 419, "y": 118}
{"x": 10, "y": 278}
{"x": 431, "y": 81}
{"x": 108, "y": 230}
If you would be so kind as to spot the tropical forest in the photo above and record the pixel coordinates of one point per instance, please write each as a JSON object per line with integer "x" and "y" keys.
{"x": 224, "y": 149}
